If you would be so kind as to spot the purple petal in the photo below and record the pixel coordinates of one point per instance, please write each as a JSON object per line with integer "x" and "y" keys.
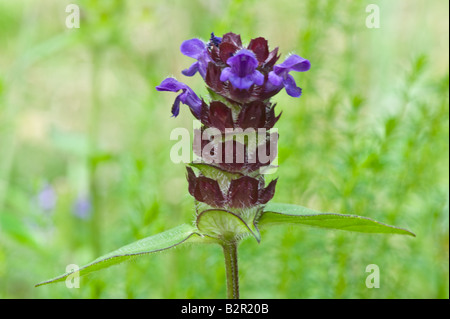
{"x": 171, "y": 85}
{"x": 193, "y": 48}
{"x": 191, "y": 99}
{"x": 275, "y": 79}
{"x": 225, "y": 75}
{"x": 203, "y": 63}
{"x": 293, "y": 63}
{"x": 192, "y": 69}
{"x": 280, "y": 75}
{"x": 258, "y": 78}
{"x": 291, "y": 86}
{"x": 243, "y": 63}
{"x": 241, "y": 83}
{"x": 176, "y": 107}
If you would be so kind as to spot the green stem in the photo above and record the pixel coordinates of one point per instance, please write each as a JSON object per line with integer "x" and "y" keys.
{"x": 231, "y": 268}
{"x": 93, "y": 137}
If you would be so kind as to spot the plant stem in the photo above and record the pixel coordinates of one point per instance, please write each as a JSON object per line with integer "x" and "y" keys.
{"x": 93, "y": 137}
{"x": 231, "y": 268}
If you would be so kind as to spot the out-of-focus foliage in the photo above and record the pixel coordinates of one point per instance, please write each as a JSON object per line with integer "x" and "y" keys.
{"x": 84, "y": 147}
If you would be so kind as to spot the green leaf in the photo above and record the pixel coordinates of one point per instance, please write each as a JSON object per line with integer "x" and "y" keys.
{"x": 276, "y": 214}
{"x": 176, "y": 236}
{"x": 224, "y": 225}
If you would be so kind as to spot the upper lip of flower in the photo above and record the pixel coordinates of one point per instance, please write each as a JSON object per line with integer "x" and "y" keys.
{"x": 197, "y": 49}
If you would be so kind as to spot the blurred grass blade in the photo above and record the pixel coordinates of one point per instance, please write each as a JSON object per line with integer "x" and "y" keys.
{"x": 275, "y": 214}
{"x": 12, "y": 226}
{"x": 179, "y": 235}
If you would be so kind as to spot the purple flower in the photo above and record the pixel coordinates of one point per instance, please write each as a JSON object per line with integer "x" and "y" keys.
{"x": 196, "y": 49}
{"x": 242, "y": 72}
{"x": 280, "y": 75}
{"x": 187, "y": 97}
{"x": 82, "y": 207}
{"x": 47, "y": 198}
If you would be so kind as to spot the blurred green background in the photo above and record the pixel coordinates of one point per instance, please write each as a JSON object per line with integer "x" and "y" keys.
{"x": 84, "y": 147}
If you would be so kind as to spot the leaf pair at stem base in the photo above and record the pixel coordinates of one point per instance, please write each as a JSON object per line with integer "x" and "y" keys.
{"x": 220, "y": 226}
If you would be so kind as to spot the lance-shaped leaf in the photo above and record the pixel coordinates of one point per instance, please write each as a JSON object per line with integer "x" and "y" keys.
{"x": 276, "y": 214}
{"x": 176, "y": 236}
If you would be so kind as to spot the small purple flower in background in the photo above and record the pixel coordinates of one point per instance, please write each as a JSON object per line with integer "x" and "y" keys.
{"x": 280, "y": 75}
{"x": 47, "y": 198}
{"x": 82, "y": 207}
{"x": 187, "y": 97}
{"x": 197, "y": 49}
{"x": 242, "y": 72}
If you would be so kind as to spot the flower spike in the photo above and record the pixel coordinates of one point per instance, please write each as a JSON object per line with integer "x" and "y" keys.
{"x": 241, "y": 80}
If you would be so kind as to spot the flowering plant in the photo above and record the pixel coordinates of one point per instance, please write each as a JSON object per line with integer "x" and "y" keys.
{"x": 236, "y": 148}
